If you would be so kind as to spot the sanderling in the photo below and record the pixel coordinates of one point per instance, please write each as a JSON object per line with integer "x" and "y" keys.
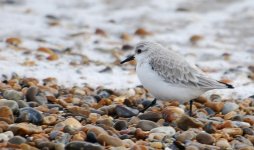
{"x": 168, "y": 76}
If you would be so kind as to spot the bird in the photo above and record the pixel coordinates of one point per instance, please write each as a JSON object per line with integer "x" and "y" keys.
{"x": 167, "y": 75}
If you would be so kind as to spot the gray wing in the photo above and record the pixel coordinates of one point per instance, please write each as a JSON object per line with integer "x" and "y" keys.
{"x": 178, "y": 71}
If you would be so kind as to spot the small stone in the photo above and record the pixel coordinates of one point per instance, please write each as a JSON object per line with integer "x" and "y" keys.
{"x": 228, "y": 107}
{"x": 106, "y": 121}
{"x": 22, "y": 104}
{"x": 13, "y": 95}
{"x": 241, "y": 124}
{"x": 17, "y": 140}
{"x": 248, "y": 131}
{"x": 33, "y": 94}
{"x": 121, "y": 125}
{"x": 109, "y": 140}
{"x": 49, "y": 120}
{"x": 216, "y": 106}
{"x": 82, "y": 111}
{"x": 156, "y": 136}
{"x": 139, "y": 147}
{"x": 146, "y": 125}
{"x": 142, "y": 32}
{"x": 223, "y": 144}
{"x": 140, "y": 134}
{"x": 230, "y": 115}
{"x": 128, "y": 143}
{"x": 15, "y": 41}
{"x": 3, "y": 125}
{"x": 209, "y": 128}
{"x": 172, "y": 113}
{"x": 205, "y": 138}
{"x": 156, "y": 145}
{"x": 169, "y": 131}
{"x": 25, "y": 129}
{"x": 186, "y": 122}
{"x": 124, "y": 111}
{"x": 233, "y": 131}
{"x": 80, "y": 136}
{"x": 91, "y": 137}
{"x": 82, "y": 145}
{"x": 152, "y": 116}
{"x": 31, "y": 115}
{"x": 95, "y": 129}
{"x": 72, "y": 122}
{"x": 6, "y": 114}
{"x": 4, "y": 137}
{"x": 185, "y": 136}
{"x": 11, "y": 104}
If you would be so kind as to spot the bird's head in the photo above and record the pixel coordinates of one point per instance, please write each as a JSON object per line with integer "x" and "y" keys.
{"x": 143, "y": 50}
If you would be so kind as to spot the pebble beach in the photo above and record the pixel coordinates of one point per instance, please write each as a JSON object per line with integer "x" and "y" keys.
{"x": 63, "y": 87}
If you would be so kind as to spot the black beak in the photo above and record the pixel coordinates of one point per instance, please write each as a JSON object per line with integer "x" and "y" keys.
{"x": 128, "y": 59}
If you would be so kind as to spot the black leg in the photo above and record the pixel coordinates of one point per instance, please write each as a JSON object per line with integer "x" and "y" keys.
{"x": 190, "y": 113}
{"x": 150, "y": 105}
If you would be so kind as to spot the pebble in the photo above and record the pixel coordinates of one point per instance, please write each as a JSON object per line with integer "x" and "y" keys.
{"x": 169, "y": 131}
{"x": 223, "y": 144}
{"x": 241, "y": 124}
{"x": 6, "y": 114}
{"x": 186, "y": 136}
{"x": 13, "y": 95}
{"x": 152, "y": 116}
{"x": 33, "y": 94}
{"x": 109, "y": 140}
{"x": 124, "y": 111}
{"x": 248, "y": 131}
{"x": 4, "y": 137}
{"x": 228, "y": 107}
{"x": 156, "y": 136}
{"x": 83, "y": 145}
{"x": 216, "y": 106}
{"x": 91, "y": 137}
{"x": 49, "y": 120}
{"x": 24, "y": 129}
{"x": 22, "y": 104}
{"x": 209, "y": 128}
{"x": 72, "y": 122}
{"x": 3, "y": 125}
{"x": 233, "y": 131}
{"x": 186, "y": 122}
{"x": 205, "y": 138}
{"x": 146, "y": 125}
{"x": 156, "y": 145}
{"x": 172, "y": 113}
{"x": 121, "y": 125}
{"x": 13, "y": 105}
{"x": 17, "y": 140}
{"x": 31, "y": 115}
{"x": 95, "y": 129}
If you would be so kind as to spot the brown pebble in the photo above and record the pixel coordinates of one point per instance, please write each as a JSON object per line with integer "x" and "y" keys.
{"x": 223, "y": 144}
{"x": 140, "y": 134}
{"x": 109, "y": 140}
{"x": 205, "y": 138}
{"x": 216, "y": 106}
{"x": 49, "y": 120}
{"x": 72, "y": 122}
{"x": 172, "y": 113}
{"x": 186, "y": 122}
{"x": 233, "y": 131}
{"x": 95, "y": 129}
{"x": 3, "y": 125}
{"x": 25, "y": 128}
{"x": 142, "y": 32}
{"x": 80, "y": 136}
{"x": 100, "y": 32}
{"x": 13, "y": 41}
{"x": 196, "y": 38}
{"x": 6, "y": 114}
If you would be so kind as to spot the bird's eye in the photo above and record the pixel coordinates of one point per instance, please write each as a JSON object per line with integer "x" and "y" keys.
{"x": 139, "y": 51}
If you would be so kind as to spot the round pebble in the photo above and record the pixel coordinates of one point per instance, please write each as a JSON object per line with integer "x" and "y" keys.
{"x": 31, "y": 115}
{"x": 205, "y": 138}
{"x": 146, "y": 125}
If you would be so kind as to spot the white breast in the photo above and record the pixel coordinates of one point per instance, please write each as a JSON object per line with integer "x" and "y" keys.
{"x": 163, "y": 90}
